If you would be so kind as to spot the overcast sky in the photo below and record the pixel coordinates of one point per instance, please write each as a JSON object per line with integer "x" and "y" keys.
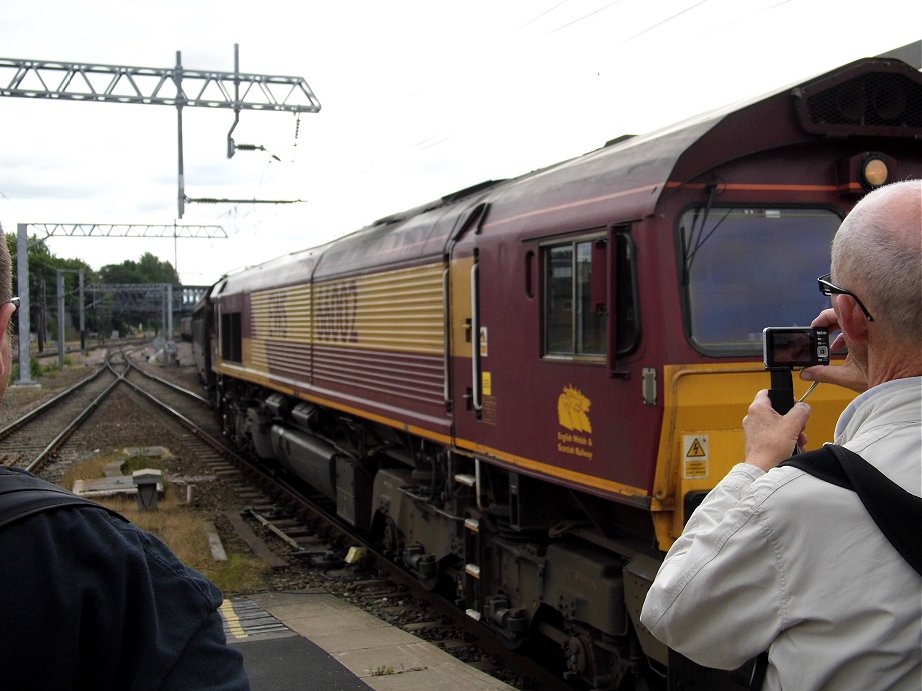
{"x": 419, "y": 98}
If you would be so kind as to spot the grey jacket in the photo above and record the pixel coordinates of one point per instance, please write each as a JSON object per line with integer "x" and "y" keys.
{"x": 786, "y": 562}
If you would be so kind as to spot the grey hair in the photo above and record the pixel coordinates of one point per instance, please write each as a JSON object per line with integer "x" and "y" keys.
{"x": 877, "y": 254}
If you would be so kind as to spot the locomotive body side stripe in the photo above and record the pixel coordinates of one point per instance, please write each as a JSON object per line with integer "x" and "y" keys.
{"x": 644, "y": 190}
{"x": 760, "y": 187}
{"x": 593, "y": 484}
{"x": 583, "y": 481}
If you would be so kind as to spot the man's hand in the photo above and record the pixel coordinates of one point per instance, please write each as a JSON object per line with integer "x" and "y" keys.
{"x": 849, "y": 374}
{"x": 770, "y": 437}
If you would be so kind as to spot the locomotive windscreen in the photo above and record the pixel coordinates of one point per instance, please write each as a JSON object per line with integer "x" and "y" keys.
{"x": 749, "y": 267}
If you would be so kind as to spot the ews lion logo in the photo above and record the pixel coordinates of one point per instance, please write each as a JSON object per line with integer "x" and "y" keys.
{"x": 573, "y": 410}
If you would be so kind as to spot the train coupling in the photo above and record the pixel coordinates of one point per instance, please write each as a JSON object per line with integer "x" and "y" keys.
{"x": 512, "y": 621}
{"x": 422, "y": 563}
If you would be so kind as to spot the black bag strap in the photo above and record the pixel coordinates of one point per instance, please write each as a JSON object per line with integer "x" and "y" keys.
{"x": 22, "y": 494}
{"x": 897, "y": 513}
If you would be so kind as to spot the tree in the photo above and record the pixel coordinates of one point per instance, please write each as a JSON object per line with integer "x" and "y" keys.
{"x": 43, "y": 269}
{"x": 148, "y": 270}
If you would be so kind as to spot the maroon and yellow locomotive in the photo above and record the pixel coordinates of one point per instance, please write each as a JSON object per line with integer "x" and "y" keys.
{"x": 523, "y": 389}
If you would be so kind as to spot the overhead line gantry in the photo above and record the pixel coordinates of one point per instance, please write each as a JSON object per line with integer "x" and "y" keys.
{"x": 165, "y": 86}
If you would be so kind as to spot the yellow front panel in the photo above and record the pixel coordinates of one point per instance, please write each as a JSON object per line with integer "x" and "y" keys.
{"x": 702, "y": 436}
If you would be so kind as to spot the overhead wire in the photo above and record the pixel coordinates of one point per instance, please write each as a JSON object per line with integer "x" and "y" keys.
{"x": 753, "y": 14}
{"x": 547, "y": 11}
{"x": 586, "y": 16}
{"x": 668, "y": 19}
{"x": 652, "y": 26}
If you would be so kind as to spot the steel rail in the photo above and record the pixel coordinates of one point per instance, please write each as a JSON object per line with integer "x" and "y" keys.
{"x": 39, "y": 460}
{"x": 35, "y": 412}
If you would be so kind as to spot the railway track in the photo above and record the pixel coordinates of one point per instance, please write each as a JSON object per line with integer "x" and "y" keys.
{"x": 297, "y": 520}
{"x": 301, "y": 530}
{"x": 31, "y": 440}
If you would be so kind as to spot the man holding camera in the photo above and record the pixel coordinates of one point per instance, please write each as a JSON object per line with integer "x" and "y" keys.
{"x": 777, "y": 559}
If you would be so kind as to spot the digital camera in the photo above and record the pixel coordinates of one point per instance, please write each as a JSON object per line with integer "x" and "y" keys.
{"x": 794, "y": 346}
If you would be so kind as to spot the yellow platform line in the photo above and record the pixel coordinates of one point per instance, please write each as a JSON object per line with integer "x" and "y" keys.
{"x": 232, "y": 620}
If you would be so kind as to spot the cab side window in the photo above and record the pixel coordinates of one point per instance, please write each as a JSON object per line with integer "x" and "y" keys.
{"x": 575, "y": 298}
{"x": 231, "y": 337}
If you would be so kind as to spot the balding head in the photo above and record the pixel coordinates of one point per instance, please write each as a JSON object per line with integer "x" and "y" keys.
{"x": 877, "y": 254}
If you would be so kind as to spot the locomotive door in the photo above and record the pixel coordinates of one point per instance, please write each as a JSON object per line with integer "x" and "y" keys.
{"x": 478, "y": 341}
{"x": 470, "y": 344}
{"x": 544, "y": 342}
{"x": 467, "y": 337}
{"x": 490, "y": 327}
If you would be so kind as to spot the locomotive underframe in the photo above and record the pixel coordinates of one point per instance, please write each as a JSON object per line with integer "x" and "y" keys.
{"x": 524, "y": 557}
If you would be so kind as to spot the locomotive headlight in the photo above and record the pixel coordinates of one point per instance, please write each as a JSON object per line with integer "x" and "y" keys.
{"x": 865, "y": 171}
{"x": 874, "y": 172}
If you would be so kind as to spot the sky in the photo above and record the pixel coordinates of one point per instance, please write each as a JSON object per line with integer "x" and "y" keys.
{"x": 419, "y": 98}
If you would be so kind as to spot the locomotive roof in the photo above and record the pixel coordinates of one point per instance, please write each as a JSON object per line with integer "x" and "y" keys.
{"x": 626, "y": 179}
{"x": 627, "y": 175}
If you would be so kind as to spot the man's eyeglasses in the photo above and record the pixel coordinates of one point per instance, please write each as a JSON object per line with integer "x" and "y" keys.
{"x": 827, "y": 288}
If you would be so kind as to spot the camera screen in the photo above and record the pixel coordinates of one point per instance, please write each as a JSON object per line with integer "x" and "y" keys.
{"x": 792, "y": 348}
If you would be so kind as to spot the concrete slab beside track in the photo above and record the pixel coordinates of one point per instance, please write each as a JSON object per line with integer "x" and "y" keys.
{"x": 310, "y": 639}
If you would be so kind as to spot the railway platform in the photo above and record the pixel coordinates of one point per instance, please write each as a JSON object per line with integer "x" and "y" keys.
{"x": 309, "y": 639}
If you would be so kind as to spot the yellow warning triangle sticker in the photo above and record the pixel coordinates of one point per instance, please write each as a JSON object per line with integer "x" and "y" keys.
{"x": 695, "y": 450}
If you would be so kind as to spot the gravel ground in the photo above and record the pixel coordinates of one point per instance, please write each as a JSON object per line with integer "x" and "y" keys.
{"x": 122, "y": 422}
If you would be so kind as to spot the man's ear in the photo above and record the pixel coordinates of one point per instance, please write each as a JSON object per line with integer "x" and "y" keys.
{"x": 6, "y": 314}
{"x": 852, "y": 320}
